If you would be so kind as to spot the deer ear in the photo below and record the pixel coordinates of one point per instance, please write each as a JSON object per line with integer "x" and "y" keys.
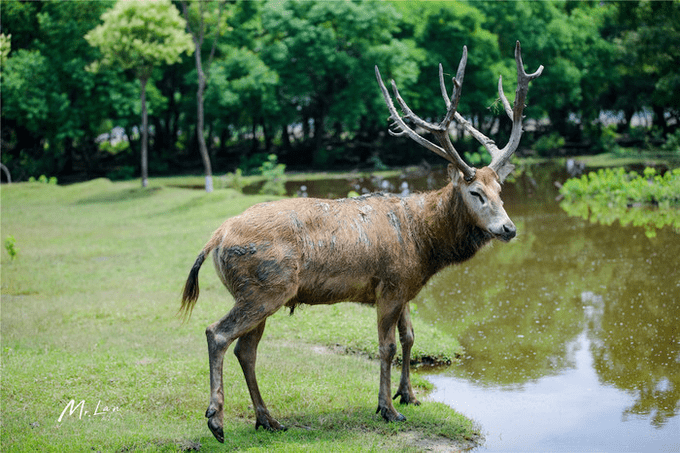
{"x": 455, "y": 174}
{"x": 504, "y": 171}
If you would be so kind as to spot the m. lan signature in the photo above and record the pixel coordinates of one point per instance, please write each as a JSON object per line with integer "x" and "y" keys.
{"x": 72, "y": 408}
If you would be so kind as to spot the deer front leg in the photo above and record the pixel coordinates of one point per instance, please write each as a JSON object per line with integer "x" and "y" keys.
{"x": 387, "y": 320}
{"x": 406, "y": 338}
{"x": 246, "y": 353}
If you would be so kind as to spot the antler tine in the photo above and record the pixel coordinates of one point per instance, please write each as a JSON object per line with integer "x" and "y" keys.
{"x": 399, "y": 122}
{"x": 408, "y": 113}
{"x": 442, "y": 87}
{"x": 504, "y": 99}
{"x": 452, "y": 104}
{"x": 500, "y": 157}
{"x": 441, "y": 130}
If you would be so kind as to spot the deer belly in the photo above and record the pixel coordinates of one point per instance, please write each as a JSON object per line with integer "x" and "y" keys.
{"x": 331, "y": 288}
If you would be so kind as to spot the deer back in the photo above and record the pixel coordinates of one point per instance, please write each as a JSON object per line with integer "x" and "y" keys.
{"x": 350, "y": 249}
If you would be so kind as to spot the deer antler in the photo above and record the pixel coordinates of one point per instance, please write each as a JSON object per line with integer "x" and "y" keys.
{"x": 441, "y": 130}
{"x": 499, "y": 157}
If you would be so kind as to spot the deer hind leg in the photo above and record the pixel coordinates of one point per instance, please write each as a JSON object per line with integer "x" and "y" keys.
{"x": 246, "y": 352}
{"x": 406, "y": 338}
{"x": 388, "y": 315}
{"x": 239, "y": 322}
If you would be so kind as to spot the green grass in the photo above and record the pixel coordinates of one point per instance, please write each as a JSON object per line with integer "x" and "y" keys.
{"x": 88, "y": 314}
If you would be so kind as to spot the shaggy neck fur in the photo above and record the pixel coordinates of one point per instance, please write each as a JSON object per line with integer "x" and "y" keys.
{"x": 450, "y": 232}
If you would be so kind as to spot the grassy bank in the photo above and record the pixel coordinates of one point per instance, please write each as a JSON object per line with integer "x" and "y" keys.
{"x": 88, "y": 314}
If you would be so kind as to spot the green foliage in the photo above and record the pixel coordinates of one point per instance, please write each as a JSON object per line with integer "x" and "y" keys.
{"x": 234, "y": 180}
{"x": 377, "y": 163}
{"x": 616, "y": 187}
{"x": 11, "y": 247}
{"x": 114, "y": 148}
{"x": 122, "y": 173}
{"x": 612, "y": 194}
{"x": 341, "y": 41}
{"x": 252, "y": 164}
{"x": 26, "y": 80}
{"x": 274, "y": 176}
{"x": 5, "y": 47}
{"x": 608, "y": 138}
{"x": 42, "y": 179}
{"x": 306, "y": 67}
{"x": 547, "y": 144}
{"x": 479, "y": 158}
{"x": 672, "y": 142}
{"x": 141, "y": 35}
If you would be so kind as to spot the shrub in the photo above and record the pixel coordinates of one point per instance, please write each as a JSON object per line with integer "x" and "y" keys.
{"x": 122, "y": 173}
{"x": 10, "y": 246}
{"x": 612, "y": 194}
{"x": 233, "y": 180}
{"x": 547, "y": 144}
{"x": 42, "y": 179}
{"x": 479, "y": 158}
{"x": 252, "y": 165}
{"x": 274, "y": 176}
{"x": 672, "y": 142}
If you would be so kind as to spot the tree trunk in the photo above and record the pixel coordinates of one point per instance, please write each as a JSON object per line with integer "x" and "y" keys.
{"x": 203, "y": 149}
{"x": 145, "y": 134}
{"x": 197, "y": 36}
{"x": 660, "y": 119}
{"x": 266, "y": 133}
{"x": 285, "y": 138}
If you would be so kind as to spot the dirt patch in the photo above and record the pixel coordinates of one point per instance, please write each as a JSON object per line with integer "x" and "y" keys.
{"x": 438, "y": 444}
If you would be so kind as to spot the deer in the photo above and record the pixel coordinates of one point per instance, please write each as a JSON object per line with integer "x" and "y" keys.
{"x": 376, "y": 249}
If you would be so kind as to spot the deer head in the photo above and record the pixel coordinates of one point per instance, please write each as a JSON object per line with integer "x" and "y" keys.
{"x": 479, "y": 188}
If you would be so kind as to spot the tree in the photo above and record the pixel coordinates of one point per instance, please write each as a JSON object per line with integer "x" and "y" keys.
{"x": 565, "y": 38}
{"x": 49, "y": 118}
{"x": 241, "y": 92}
{"x": 197, "y": 26}
{"x": 446, "y": 29}
{"x": 649, "y": 56}
{"x": 140, "y": 36}
{"x": 324, "y": 53}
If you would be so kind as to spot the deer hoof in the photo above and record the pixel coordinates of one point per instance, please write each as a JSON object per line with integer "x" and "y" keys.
{"x": 390, "y": 416}
{"x": 215, "y": 423}
{"x": 216, "y": 429}
{"x": 269, "y": 424}
{"x": 406, "y": 398}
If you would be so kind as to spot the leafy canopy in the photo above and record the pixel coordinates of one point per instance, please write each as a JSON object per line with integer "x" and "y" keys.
{"x": 141, "y": 35}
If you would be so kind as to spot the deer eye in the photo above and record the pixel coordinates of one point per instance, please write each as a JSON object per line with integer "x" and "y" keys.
{"x": 477, "y": 195}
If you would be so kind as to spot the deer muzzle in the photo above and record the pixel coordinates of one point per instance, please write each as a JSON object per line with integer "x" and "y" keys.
{"x": 505, "y": 231}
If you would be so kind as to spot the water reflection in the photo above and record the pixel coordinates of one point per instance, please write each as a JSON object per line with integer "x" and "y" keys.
{"x": 526, "y": 311}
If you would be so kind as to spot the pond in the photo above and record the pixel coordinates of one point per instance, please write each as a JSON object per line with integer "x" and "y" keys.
{"x": 571, "y": 330}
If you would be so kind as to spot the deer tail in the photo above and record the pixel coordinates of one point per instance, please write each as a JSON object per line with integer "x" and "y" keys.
{"x": 191, "y": 289}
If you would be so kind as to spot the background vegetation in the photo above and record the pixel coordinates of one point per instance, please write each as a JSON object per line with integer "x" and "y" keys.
{"x": 296, "y": 79}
